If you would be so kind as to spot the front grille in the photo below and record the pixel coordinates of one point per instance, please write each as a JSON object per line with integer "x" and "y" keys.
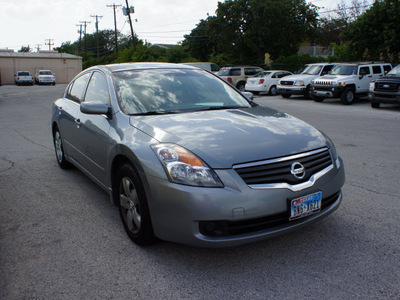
{"x": 286, "y": 82}
{"x": 387, "y": 86}
{"x": 323, "y": 83}
{"x": 279, "y": 170}
{"x": 231, "y": 228}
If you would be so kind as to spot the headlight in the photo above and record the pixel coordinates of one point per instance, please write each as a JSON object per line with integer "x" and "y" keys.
{"x": 371, "y": 86}
{"x": 299, "y": 83}
{"x": 184, "y": 167}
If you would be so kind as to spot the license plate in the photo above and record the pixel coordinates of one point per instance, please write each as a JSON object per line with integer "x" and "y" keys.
{"x": 305, "y": 206}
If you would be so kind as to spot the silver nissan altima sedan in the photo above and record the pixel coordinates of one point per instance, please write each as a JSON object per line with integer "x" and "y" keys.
{"x": 187, "y": 158}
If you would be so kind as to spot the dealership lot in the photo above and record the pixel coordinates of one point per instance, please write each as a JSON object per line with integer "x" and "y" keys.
{"x": 60, "y": 238}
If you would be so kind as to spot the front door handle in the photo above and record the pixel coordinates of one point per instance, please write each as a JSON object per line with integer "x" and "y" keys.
{"x": 78, "y": 123}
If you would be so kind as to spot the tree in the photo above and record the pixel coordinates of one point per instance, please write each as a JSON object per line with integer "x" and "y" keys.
{"x": 25, "y": 49}
{"x": 375, "y": 35}
{"x": 244, "y": 30}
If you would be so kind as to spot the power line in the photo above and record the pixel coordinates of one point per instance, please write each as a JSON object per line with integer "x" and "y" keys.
{"x": 49, "y": 43}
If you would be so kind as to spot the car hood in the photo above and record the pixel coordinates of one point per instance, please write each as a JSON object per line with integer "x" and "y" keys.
{"x": 335, "y": 77}
{"x": 302, "y": 77}
{"x": 223, "y": 138}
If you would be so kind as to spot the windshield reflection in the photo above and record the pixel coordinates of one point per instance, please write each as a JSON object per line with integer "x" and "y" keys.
{"x": 155, "y": 91}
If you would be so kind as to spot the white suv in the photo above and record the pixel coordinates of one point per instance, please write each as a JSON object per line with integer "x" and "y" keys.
{"x": 299, "y": 84}
{"x": 237, "y": 76}
{"x": 348, "y": 81}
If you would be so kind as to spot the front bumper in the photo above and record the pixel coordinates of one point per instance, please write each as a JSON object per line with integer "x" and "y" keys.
{"x": 182, "y": 213}
{"x": 327, "y": 92}
{"x": 382, "y": 97}
{"x": 291, "y": 90}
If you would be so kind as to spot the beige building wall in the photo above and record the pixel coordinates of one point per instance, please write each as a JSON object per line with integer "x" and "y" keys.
{"x": 65, "y": 66}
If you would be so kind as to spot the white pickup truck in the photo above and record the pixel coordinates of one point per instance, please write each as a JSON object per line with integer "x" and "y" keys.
{"x": 45, "y": 77}
{"x": 23, "y": 77}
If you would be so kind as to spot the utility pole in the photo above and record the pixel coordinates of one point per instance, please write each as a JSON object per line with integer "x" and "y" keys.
{"x": 38, "y": 47}
{"x": 97, "y": 32}
{"x": 49, "y": 43}
{"x": 129, "y": 11}
{"x": 115, "y": 25}
{"x": 80, "y": 37}
{"x": 84, "y": 37}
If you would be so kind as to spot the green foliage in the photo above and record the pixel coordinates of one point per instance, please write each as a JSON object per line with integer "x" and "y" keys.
{"x": 375, "y": 35}
{"x": 244, "y": 30}
{"x": 293, "y": 63}
{"x": 25, "y": 49}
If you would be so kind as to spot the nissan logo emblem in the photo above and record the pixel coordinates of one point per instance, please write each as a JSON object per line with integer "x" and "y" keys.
{"x": 298, "y": 170}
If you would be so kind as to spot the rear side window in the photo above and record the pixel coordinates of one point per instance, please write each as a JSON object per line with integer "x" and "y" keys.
{"x": 78, "y": 88}
{"x": 376, "y": 70}
{"x": 387, "y": 68}
{"x": 235, "y": 72}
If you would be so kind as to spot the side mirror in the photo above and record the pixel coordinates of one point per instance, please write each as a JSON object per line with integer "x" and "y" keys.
{"x": 95, "y": 108}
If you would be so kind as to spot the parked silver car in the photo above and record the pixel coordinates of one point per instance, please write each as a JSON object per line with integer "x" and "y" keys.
{"x": 189, "y": 159}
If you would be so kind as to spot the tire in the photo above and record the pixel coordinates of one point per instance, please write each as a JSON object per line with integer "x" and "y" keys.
{"x": 348, "y": 96}
{"x": 273, "y": 91}
{"x": 256, "y": 93}
{"x": 308, "y": 93}
{"x": 287, "y": 96}
{"x": 133, "y": 207}
{"x": 318, "y": 99}
{"x": 375, "y": 104}
{"x": 59, "y": 150}
{"x": 241, "y": 86}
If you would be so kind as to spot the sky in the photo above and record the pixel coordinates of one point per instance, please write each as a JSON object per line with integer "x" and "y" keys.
{"x": 38, "y": 23}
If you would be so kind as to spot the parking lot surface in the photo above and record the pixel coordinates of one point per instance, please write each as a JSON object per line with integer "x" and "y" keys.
{"x": 60, "y": 237}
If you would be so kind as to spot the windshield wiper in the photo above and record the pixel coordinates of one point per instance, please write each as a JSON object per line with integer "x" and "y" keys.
{"x": 222, "y": 107}
{"x": 155, "y": 112}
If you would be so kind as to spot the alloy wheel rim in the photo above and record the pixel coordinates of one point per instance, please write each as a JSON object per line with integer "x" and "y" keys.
{"x": 130, "y": 206}
{"x": 58, "y": 144}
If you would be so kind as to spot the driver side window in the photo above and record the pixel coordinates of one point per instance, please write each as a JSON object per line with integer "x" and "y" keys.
{"x": 98, "y": 89}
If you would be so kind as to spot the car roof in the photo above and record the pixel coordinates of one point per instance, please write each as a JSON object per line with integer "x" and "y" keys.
{"x": 140, "y": 65}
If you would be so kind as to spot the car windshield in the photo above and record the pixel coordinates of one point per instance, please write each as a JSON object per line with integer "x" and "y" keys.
{"x": 394, "y": 72}
{"x": 312, "y": 70}
{"x": 344, "y": 70}
{"x": 262, "y": 74}
{"x": 45, "y": 73}
{"x": 157, "y": 91}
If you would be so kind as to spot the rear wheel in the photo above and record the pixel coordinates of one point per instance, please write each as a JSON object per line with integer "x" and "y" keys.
{"x": 59, "y": 149}
{"x": 133, "y": 207}
{"x": 308, "y": 93}
{"x": 348, "y": 96}
{"x": 273, "y": 91}
{"x": 240, "y": 86}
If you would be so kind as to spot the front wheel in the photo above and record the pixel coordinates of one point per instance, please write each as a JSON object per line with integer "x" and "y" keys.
{"x": 133, "y": 207}
{"x": 348, "y": 96}
{"x": 318, "y": 99}
{"x": 375, "y": 104}
{"x": 287, "y": 96}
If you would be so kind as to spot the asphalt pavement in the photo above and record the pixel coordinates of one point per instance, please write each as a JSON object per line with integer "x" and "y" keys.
{"x": 61, "y": 238}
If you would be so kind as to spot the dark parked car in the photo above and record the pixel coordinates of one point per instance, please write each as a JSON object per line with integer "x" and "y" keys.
{"x": 189, "y": 159}
{"x": 385, "y": 89}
